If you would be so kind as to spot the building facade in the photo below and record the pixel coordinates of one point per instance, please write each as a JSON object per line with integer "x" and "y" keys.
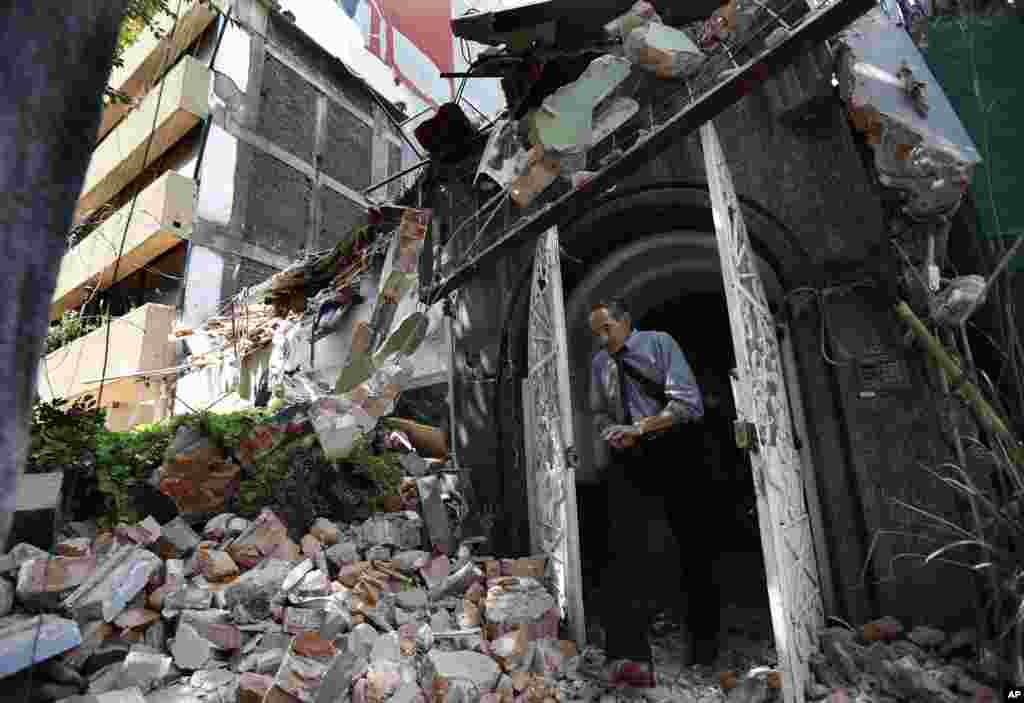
{"x": 246, "y": 145}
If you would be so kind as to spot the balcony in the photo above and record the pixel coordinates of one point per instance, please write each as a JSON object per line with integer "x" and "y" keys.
{"x": 144, "y": 59}
{"x": 138, "y": 343}
{"x": 163, "y": 217}
{"x": 118, "y": 159}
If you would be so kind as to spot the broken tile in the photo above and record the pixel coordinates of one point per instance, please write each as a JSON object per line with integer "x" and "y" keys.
{"x": 143, "y": 534}
{"x": 216, "y": 565}
{"x": 117, "y": 580}
{"x": 27, "y": 641}
{"x": 253, "y": 687}
{"x": 262, "y": 539}
{"x": 136, "y": 617}
{"x": 310, "y": 644}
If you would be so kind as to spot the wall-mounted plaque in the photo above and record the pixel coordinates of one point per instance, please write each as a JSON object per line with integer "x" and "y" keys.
{"x": 882, "y": 373}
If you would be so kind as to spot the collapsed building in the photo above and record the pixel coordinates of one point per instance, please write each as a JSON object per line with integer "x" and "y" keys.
{"x": 786, "y": 172}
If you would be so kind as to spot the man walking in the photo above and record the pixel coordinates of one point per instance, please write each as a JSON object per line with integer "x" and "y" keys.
{"x": 647, "y": 406}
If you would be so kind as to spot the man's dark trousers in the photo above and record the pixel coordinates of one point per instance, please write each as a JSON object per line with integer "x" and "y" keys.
{"x": 665, "y": 478}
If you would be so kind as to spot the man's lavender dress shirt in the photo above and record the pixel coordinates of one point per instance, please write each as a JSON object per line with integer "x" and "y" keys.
{"x": 658, "y": 357}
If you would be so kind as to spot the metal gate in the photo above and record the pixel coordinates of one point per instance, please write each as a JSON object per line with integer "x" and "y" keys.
{"x": 764, "y": 424}
{"x": 550, "y": 454}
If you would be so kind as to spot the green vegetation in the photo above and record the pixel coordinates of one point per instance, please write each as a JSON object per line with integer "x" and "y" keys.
{"x": 70, "y": 327}
{"x": 281, "y": 464}
{"x": 140, "y": 16}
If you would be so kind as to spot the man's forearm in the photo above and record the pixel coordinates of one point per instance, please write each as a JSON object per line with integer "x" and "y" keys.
{"x": 675, "y": 413}
{"x": 602, "y": 421}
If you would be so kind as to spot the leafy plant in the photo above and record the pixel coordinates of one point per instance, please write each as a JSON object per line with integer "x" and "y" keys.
{"x": 988, "y": 478}
{"x": 140, "y": 15}
{"x": 70, "y": 327}
{"x": 63, "y": 435}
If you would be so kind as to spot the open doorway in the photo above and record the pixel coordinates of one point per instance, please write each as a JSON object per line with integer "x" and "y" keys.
{"x": 672, "y": 283}
{"x": 699, "y": 322}
{"x": 730, "y": 510}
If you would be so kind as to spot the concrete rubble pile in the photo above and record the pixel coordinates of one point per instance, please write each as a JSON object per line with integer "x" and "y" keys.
{"x": 235, "y": 610}
{"x": 883, "y": 662}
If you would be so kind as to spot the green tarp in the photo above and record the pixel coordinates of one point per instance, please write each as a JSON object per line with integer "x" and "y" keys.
{"x": 977, "y": 62}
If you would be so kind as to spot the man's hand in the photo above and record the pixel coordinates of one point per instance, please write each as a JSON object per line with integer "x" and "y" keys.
{"x": 622, "y": 436}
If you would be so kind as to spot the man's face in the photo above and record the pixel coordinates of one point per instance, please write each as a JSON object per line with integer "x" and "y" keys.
{"x": 609, "y": 332}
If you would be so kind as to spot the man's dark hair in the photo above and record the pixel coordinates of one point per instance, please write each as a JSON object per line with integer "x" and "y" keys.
{"x": 616, "y": 307}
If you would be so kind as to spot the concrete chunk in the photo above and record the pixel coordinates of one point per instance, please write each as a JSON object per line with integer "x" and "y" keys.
{"x": 468, "y": 674}
{"x": 43, "y": 581}
{"x": 263, "y": 538}
{"x": 517, "y": 601}
{"x": 18, "y": 555}
{"x": 180, "y": 535}
{"x": 434, "y": 513}
{"x": 113, "y": 584}
{"x": 45, "y": 635}
{"x": 337, "y": 683}
{"x": 191, "y": 651}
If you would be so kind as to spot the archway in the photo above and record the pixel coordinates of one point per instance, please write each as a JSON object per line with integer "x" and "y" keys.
{"x": 670, "y": 279}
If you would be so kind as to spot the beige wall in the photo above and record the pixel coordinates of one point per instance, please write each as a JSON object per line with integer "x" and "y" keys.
{"x": 162, "y": 218}
{"x": 138, "y": 342}
{"x": 148, "y": 57}
{"x": 128, "y": 149}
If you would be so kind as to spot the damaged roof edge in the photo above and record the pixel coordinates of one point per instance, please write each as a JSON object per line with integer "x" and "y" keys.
{"x": 286, "y": 26}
